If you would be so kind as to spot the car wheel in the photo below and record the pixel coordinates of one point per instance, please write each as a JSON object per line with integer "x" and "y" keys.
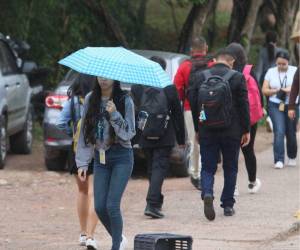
{"x": 3, "y": 141}
{"x": 21, "y": 143}
{"x": 55, "y": 159}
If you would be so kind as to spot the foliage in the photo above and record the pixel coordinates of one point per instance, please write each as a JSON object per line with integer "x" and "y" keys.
{"x": 56, "y": 28}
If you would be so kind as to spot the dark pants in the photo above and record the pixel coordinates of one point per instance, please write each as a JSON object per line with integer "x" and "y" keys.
{"x": 283, "y": 126}
{"x": 158, "y": 166}
{"x": 209, "y": 150}
{"x": 110, "y": 181}
{"x": 249, "y": 155}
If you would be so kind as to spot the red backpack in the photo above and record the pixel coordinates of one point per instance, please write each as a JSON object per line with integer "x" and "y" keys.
{"x": 255, "y": 107}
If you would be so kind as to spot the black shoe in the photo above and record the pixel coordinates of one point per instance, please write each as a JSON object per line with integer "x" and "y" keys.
{"x": 153, "y": 212}
{"x": 196, "y": 183}
{"x": 229, "y": 211}
{"x": 209, "y": 210}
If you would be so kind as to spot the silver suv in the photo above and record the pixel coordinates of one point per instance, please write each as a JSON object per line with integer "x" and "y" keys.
{"x": 15, "y": 109}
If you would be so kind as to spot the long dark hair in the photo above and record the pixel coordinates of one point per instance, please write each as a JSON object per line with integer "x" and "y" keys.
{"x": 82, "y": 84}
{"x": 240, "y": 56}
{"x": 271, "y": 39}
{"x": 93, "y": 114}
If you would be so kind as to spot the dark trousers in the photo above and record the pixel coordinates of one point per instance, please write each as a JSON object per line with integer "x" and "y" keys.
{"x": 158, "y": 166}
{"x": 249, "y": 155}
{"x": 110, "y": 181}
{"x": 209, "y": 150}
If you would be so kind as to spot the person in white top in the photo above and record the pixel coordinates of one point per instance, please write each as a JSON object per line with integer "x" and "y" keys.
{"x": 277, "y": 86}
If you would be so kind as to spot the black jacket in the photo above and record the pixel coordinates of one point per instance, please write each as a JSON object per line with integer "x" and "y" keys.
{"x": 240, "y": 111}
{"x": 175, "y": 128}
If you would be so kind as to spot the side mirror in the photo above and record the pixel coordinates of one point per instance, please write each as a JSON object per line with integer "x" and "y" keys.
{"x": 28, "y": 67}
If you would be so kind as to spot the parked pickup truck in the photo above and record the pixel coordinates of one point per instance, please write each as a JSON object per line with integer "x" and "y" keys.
{"x": 15, "y": 108}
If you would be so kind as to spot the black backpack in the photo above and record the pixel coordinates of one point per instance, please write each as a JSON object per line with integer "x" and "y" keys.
{"x": 153, "y": 115}
{"x": 215, "y": 100}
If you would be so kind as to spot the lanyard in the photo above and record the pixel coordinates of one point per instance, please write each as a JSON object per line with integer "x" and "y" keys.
{"x": 101, "y": 125}
{"x": 283, "y": 81}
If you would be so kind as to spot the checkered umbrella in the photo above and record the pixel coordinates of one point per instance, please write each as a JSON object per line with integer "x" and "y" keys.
{"x": 119, "y": 64}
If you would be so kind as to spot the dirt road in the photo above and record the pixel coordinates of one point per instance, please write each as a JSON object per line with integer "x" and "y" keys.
{"x": 38, "y": 208}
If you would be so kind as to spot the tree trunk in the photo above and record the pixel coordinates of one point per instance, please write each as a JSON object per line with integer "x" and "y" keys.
{"x": 211, "y": 33}
{"x": 249, "y": 25}
{"x": 113, "y": 28}
{"x": 237, "y": 21}
{"x": 194, "y": 24}
{"x": 282, "y": 24}
{"x": 174, "y": 19}
{"x": 202, "y": 17}
{"x": 141, "y": 19}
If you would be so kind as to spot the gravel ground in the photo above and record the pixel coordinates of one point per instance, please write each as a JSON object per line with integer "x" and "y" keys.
{"x": 38, "y": 208}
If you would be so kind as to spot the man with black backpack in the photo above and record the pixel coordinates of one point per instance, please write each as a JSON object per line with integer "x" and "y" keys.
{"x": 220, "y": 109}
{"x": 159, "y": 121}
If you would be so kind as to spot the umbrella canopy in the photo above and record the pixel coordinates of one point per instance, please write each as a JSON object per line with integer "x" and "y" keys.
{"x": 119, "y": 64}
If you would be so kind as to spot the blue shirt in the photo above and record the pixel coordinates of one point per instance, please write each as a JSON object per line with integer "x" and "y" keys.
{"x": 65, "y": 116}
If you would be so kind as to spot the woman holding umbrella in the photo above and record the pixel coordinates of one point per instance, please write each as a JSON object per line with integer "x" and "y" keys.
{"x": 107, "y": 128}
{"x": 108, "y": 125}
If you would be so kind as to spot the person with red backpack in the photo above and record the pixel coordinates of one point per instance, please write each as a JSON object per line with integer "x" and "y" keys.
{"x": 199, "y": 61}
{"x": 255, "y": 108}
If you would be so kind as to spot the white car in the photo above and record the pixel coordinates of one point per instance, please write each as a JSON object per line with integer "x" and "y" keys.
{"x": 15, "y": 109}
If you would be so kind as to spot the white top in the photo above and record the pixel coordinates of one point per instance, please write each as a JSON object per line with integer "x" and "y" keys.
{"x": 276, "y": 79}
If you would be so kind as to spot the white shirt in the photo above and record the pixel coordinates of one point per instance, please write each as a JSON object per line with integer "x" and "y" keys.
{"x": 274, "y": 77}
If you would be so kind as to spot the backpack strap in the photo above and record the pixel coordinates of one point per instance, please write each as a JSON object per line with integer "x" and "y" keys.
{"x": 73, "y": 118}
{"x": 75, "y": 111}
{"x": 247, "y": 69}
{"x": 229, "y": 74}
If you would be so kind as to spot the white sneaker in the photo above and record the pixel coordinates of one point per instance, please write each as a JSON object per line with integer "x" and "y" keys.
{"x": 254, "y": 187}
{"x": 82, "y": 239}
{"x": 292, "y": 162}
{"x": 278, "y": 165}
{"x": 269, "y": 124}
{"x": 123, "y": 243}
{"x": 91, "y": 244}
{"x": 236, "y": 191}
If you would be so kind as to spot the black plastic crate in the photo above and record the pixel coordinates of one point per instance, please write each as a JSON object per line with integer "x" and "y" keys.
{"x": 162, "y": 241}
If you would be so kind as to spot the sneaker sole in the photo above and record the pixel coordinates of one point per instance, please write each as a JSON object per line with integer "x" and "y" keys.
{"x": 229, "y": 214}
{"x": 91, "y": 248}
{"x": 153, "y": 215}
{"x": 209, "y": 211}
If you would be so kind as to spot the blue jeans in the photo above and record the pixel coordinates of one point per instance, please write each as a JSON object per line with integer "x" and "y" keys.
{"x": 283, "y": 126}
{"x": 209, "y": 150}
{"x": 110, "y": 181}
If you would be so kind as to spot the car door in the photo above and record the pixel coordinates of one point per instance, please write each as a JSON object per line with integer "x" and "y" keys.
{"x": 12, "y": 84}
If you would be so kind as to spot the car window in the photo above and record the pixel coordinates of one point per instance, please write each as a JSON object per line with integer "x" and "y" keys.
{"x": 8, "y": 63}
